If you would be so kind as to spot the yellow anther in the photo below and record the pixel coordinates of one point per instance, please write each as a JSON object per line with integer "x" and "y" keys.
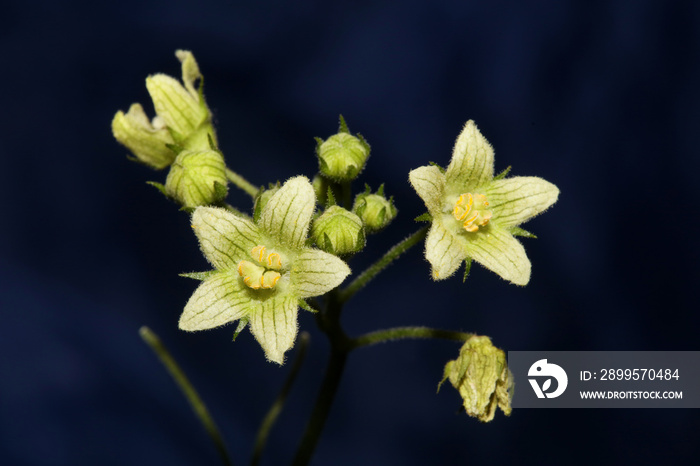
{"x": 256, "y": 275}
{"x": 274, "y": 260}
{"x": 470, "y": 209}
{"x": 258, "y": 253}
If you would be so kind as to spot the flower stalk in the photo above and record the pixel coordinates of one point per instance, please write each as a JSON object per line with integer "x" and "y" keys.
{"x": 195, "y": 401}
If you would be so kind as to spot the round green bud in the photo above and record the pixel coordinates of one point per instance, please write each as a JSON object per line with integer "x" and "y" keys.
{"x": 342, "y": 156}
{"x": 375, "y": 210}
{"x": 338, "y": 231}
{"x": 197, "y": 178}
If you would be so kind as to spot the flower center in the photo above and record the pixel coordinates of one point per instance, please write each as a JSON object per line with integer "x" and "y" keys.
{"x": 263, "y": 272}
{"x": 470, "y": 209}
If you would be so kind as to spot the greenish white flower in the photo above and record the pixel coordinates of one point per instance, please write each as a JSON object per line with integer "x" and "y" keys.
{"x": 474, "y": 215}
{"x": 182, "y": 118}
{"x": 481, "y": 375}
{"x": 263, "y": 270}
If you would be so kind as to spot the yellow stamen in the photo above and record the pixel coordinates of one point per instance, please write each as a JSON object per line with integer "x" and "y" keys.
{"x": 470, "y": 209}
{"x": 257, "y": 275}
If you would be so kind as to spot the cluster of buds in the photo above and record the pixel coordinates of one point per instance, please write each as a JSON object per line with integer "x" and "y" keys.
{"x": 180, "y": 136}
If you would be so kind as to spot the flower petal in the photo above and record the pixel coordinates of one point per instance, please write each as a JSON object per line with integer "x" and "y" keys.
{"x": 515, "y": 200}
{"x": 148, "y": 143}
{"x": 444, "y": 251}
{"x": 190, "y": 71}
{"x": 218, "y": 300}
{"x": 274, "y": 325}
{"x": 181, "y": 111}
{"x": 472, "y": 160}
{"x": 288, "y": 212}
{"x": 498, "y": 251}
{"x": 429, "y": 183}
{"x": 316, "y": 272}
{"x": 224, "y": 237}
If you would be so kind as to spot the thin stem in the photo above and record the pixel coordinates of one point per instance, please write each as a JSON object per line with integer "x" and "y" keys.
{"x": 329, "y": 387}
{"x": 382, "y": 263}
{"x": 242, "y": 183}
{"x": 277, "y": 406}
{"x": 346, "y": 190}
{"x": 401, "y": 333}
{"x": 188, "y": 390}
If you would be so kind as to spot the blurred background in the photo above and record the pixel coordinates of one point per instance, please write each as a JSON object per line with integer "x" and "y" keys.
{"x": 598, "y": 97}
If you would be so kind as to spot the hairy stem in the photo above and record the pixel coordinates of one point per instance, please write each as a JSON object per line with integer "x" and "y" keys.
{"x": 382, "y": 263}
{"x": 401, "y": 333}
{"x": 277, "y": 406}
{"x": 242, "y": 183}
{"x": 188, "y": 390}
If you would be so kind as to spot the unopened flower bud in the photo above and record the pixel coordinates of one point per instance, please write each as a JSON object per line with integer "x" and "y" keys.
{"x": 342, "y": 156}
{"x": 338, "y": 231}
{"x": 375, "y": 210}
{"x": 482, "y": 377}
{"x": 147, "y": 140}
{"x": 197, "y": 178}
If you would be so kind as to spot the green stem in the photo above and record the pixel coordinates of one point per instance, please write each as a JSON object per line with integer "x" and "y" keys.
{"x": 329, "y": 387}
{"x": 188, "y": 390}
{"x": 346, "y": 190}
{"x": 401, "y": 333}
{"x": 277, "y": 406}
{"x": 328, "y": 321}
{"x": 382, "y": 263}
{"x": 242, "y": 183}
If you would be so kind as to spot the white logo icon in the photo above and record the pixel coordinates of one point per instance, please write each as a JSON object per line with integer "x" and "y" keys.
{"x": 542, "y": 368}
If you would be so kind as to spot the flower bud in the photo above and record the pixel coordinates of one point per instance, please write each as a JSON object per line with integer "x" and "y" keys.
{"x": 342, "y": 156}
{"x": 338, "y": 231}
{"x": 375, "y": 210}
{"x": 145, "y": 139}
{"x": 197, "y": 178}
{"x": 482, "y": 377}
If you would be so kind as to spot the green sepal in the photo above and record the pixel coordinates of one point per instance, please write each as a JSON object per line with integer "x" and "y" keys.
{"x": 199, "y": 275}
{"x": 425, "y": 217}
{"x": 242, "y": 322}
{"x": 503, "y": 174}
{"x": 307, "y": 307}
{"x": 467, "y": 269}
{"x": 330, "y": 198}
{"x": 343, "y": 126}
{"x": 380, "y": 191}
{"x": 434, "y": 164}
{"x": 327, "y": 244}
{"x": 220, "y": 192}
{"x": 159, "y": 187}
{"x": 212, "y": 144}
{"x": 517, "y": 231}
{"x": 319, "y": 141}
{"x": 176, "y": 148}
{"x": 368, "y": 190}
{"x": 187, "y": 209}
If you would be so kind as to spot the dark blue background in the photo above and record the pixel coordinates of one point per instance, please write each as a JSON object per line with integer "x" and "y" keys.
{"x": 598, "y": 97}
